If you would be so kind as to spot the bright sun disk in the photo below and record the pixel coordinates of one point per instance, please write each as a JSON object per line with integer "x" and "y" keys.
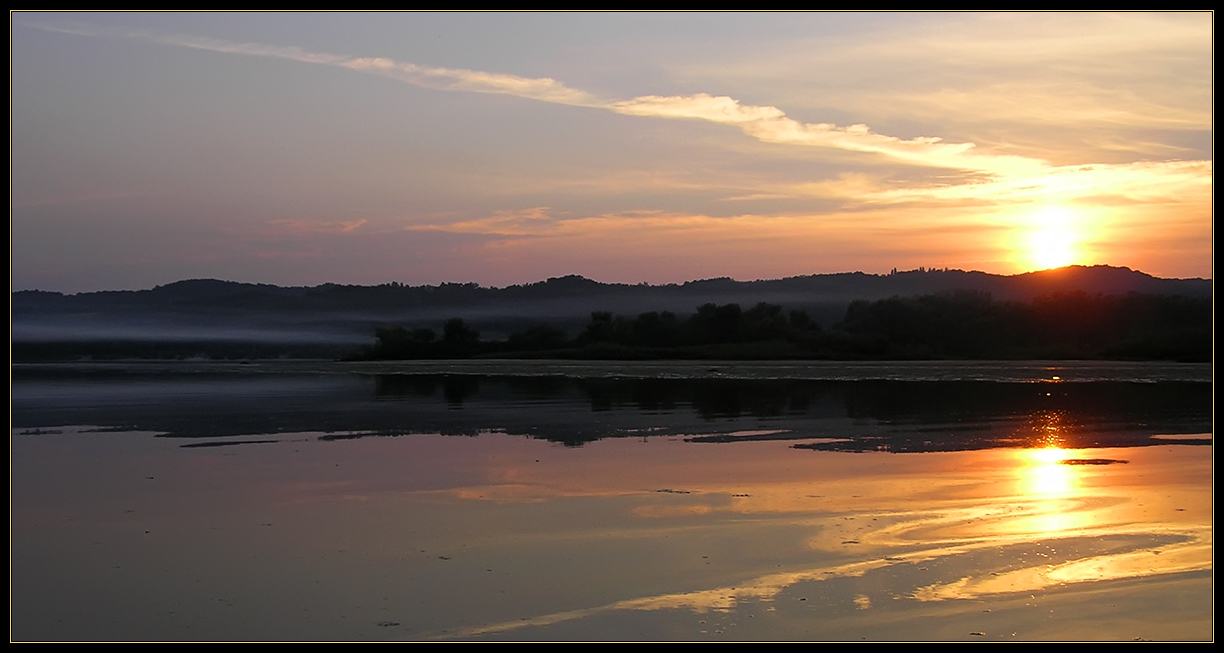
{"x": 1052, "y": 238}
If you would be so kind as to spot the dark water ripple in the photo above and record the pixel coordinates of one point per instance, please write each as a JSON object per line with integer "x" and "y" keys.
{"x": 897, "y": 407}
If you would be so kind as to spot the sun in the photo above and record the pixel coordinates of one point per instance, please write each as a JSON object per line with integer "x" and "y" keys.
{"x": 1052, "y": 238}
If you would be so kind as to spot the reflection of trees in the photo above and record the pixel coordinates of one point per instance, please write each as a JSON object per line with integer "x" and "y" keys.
{"x": 404, "y": 385}
{"x": 458, "y": 388}
{"x": 862, "y": 415}
{"x": 950, "y": 416}
{"x": 454, "y": 388}
{"x": 894, "y": 415}
{"x": 709, "y": 398}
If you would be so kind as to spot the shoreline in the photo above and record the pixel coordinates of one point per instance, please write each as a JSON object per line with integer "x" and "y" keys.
{"x": 1008, "y": 371}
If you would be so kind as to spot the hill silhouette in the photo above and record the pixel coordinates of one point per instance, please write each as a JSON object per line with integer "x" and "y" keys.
{"x": 209, "y": 317}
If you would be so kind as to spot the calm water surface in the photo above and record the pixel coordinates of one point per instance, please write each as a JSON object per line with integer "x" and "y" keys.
{"x": 704, "y": 501}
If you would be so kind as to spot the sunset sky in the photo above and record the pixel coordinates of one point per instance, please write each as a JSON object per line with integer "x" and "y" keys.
{"x": 300, "y": 149}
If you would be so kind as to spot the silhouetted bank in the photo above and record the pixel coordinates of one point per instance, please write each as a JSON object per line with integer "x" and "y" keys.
{"x": 951, "y": 325}
{"x": 863, "y": 315}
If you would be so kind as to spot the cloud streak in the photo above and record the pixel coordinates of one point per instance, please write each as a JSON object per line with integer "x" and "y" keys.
{"x": 771, "y": 125}
{"x": 542, "y": 89}
{"x": 883, "y": 186}
{"x": 767, "y": 124}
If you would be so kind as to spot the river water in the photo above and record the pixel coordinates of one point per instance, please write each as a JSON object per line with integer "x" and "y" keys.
{"x": 663, "y": 501}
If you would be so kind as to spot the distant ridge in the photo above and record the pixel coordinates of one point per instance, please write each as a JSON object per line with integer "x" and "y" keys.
{"x": 335, "y": 314}
{"x": 1098, "y": 278}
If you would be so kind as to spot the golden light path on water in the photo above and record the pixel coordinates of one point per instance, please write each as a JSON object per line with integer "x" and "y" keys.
{"x": 504, "y": 537}
{"x": 1045, "y": 511}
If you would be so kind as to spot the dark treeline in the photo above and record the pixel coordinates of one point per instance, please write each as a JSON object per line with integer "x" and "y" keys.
{"x": 1069, "y": 325}
{"x": 212, "y": 319}
{"x": 953, "y": 325}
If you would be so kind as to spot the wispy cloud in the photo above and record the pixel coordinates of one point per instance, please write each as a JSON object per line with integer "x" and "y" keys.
{"x": 1145, "y": 181}
{"x": 771, "y": 125}
{"x": 765, "y": 123}
{"x": 543, "y": 89}
{"x": 318, "y": 226}
{"x": 527, "y": 222}
{"x": 449, "y": 79}
{"x": 996, "y": 183}
{"x": 1024, "y": 63}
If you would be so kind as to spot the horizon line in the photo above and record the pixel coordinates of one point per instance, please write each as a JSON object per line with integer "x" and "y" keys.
{"x": 892, "y": 272}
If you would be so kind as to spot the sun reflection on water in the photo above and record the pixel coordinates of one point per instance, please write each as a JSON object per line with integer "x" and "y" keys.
{"x": 1047, "y": 477}
{"x": 1052, "y": 487}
